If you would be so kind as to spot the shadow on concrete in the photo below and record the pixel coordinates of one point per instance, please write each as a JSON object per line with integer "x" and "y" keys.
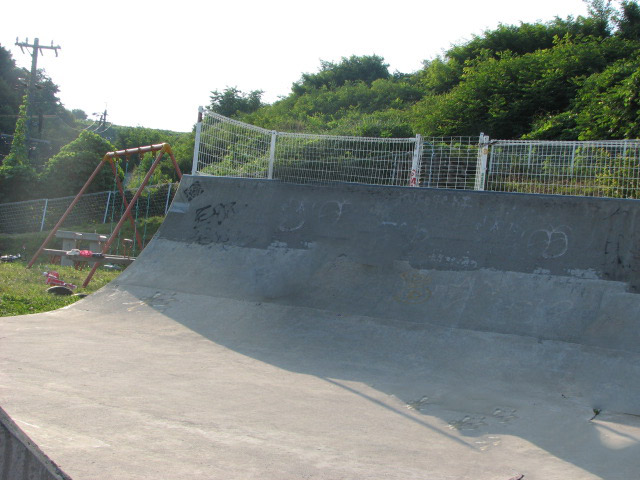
{"x": 484, "y": 388}
{"x": 509, "y": 315}
{"x": 472, "y": 331}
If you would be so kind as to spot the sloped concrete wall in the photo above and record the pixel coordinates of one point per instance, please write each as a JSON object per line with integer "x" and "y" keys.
{"x": 551, "y": 267}
{"x": 20, "y": 458}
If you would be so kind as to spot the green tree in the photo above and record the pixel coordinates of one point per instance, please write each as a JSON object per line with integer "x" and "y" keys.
{"x": 367, "y": 69}
{"x": 10, "y": 90}
{"x": 232, "y": 102}
{"x": 79, "y": 114}
{"x": 18, "y": 179}
{"x": 602, "y": 13}
{"x": 505, "y": 96}
{"x": 66, "y": 172}
{"x": 52, "y": 123}
{"x": 439, "y": 75}
{"x": 534, "y": 80}
{"x": 132, "y": 137}
{"x": 628, "y": 21}
{"x": 19, "y": 153}
{"x": 182, "y": 148}
{"x": 338, "y": 98}
{"x": 554, "y": 126}
{"x": 526, "y": 38}
{"x": 608, "y": 104}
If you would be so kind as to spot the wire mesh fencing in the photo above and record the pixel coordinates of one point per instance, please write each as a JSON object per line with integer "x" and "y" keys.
{"x": 321, "y": 158}
{"x": 101, "y": 207}
{"x": 596, "y": 168}
{"x": 451, "y": 162}
{"x": 21, "y": 217}
{"x": 228, "y": 147}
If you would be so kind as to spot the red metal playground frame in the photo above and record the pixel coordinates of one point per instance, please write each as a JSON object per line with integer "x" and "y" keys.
{"x": 161, "y": 148}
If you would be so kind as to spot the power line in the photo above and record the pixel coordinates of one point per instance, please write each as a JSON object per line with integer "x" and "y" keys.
{"x": 102, "y": 128}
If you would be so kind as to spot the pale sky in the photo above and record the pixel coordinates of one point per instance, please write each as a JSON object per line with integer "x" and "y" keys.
{"x": 152, "y": 63}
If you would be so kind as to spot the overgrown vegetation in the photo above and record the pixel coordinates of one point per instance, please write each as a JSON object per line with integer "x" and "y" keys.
{"x": 63, "y": 147}
{"x": 574, "y": 78}
{"x": 24, "y": 291}
{"x": 565, "y": 79}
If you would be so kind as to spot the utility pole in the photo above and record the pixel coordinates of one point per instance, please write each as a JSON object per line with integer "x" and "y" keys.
{"x": 35, "y": 48}
{"x": 102, "y": 122}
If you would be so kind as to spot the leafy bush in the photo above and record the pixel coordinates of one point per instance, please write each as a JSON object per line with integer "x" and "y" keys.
{"x": 66, "y": 172}
{"x": 619, "y": 177}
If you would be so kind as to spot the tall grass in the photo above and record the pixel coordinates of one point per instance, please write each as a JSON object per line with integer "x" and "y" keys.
{"x": 24, "y": 291}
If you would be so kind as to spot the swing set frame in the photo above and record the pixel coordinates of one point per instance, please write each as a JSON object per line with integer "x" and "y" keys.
{"x": 109, "y": 157}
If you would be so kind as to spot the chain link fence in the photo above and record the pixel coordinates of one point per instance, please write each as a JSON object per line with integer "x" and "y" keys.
{"x": 227, "y": 147}
{"x": 101, "y": 207}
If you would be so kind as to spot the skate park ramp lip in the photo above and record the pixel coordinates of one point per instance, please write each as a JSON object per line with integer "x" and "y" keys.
{"x": 273, "y": 330}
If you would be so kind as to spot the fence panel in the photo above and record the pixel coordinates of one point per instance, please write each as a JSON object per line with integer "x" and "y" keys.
{"x": 231, "y": 148}
{"x": 90, "y": 208}
{"x": 22, "y": 217}
{"x": 597, "y": 168}
{"x": 101, "y": 207}
{"x": 449, "y": 162}
{"x": 600, "y": 168}
{"x": 322, "y": 158}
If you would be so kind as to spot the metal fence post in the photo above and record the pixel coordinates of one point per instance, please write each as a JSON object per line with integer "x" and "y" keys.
{"x": 166, "y": 204}
{"x": 44, "y": 213}
{"x": 106, "y": 208}
{"x": 481, "y": 169}
{"x": 415, "y": 164}
{"x": 431, "y": 157}
{"x": 196, "y": 147}
{"x": 272, "y": 153}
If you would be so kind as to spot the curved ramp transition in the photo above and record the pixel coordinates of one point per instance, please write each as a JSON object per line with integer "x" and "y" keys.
{"x": 276, "y": 331}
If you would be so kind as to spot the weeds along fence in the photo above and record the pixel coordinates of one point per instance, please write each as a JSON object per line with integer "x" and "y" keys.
{"x": 227, "y": 147}
{"x": 597, "y": 168}
{"x": 97, "y": 208}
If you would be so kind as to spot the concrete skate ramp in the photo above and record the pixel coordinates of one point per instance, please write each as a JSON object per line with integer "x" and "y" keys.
{"x": 277, "y": 331}
{"x": 20, "y": 458}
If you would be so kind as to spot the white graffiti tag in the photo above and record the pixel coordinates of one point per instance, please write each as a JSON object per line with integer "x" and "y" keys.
{"x": 549, "y": 243}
